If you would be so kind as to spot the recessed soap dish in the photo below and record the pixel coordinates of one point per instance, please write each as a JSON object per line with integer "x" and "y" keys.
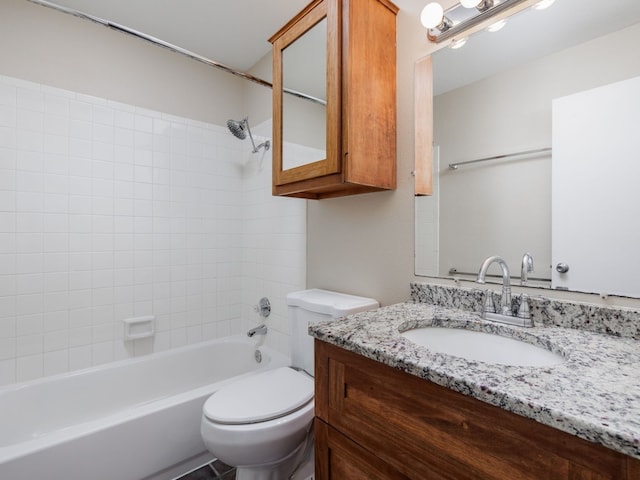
{"x": 139, "y": 327}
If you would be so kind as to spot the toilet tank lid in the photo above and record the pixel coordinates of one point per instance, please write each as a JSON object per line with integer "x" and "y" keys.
{"x": 330, "y": 303}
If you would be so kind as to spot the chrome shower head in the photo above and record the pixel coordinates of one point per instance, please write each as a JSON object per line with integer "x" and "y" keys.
{"x": 239, "y": 129}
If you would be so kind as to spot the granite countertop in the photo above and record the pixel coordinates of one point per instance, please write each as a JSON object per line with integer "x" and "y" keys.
{"x": 594, "y": 394}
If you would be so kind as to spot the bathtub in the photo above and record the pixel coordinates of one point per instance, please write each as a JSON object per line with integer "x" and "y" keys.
{"x": 133, "y": 419}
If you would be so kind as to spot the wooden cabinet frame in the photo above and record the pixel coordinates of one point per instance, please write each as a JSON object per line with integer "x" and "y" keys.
{"x": 361, "y": 100}
{"x": 423, "y": 117}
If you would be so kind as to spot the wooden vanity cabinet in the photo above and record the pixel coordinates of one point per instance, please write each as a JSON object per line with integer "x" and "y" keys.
{"x": 361, "y": 100}
{"x": 377, "y": 422}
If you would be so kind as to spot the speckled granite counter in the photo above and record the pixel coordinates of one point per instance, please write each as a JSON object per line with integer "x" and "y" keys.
{"x": 594, "y": 394}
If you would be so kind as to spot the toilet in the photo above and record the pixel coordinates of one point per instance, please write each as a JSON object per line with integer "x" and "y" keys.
{"x": 261, "y": 424}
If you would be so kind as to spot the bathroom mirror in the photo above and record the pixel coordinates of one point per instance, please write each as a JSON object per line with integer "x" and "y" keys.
{"x": 504, "y": 207}
{"x": 304, "y": 70}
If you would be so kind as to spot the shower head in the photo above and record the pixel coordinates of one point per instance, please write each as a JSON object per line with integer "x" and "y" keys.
{"x": 239, "y": 129}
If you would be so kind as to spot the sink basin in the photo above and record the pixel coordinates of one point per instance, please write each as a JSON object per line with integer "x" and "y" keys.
{"x": 482, "y": 346}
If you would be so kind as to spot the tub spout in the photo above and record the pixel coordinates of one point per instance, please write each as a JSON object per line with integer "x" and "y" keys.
{"x": 260, "y": 330}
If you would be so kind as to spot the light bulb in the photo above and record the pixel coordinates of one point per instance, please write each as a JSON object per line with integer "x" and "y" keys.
{"x": 470, "y": 3}
{"x": 497, "y": 26}
{"x": 543, "y": 4}
{"x": 432, "y": 15}
{"x": 455, "y": 44}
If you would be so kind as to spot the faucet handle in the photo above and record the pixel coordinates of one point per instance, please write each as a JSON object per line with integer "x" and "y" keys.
{"x": 523, "y": 309}
{"x": 263, "y": 308}
{"x": 489, "y": 305}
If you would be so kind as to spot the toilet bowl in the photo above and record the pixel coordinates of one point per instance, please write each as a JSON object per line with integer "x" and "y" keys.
{"x": 262, "y": 423}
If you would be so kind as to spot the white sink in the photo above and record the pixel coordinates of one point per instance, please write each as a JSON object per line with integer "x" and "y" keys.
{"x": 482, "y": 347}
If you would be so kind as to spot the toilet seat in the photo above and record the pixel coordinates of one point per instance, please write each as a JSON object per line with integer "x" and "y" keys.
{"x": 261, "y": 397}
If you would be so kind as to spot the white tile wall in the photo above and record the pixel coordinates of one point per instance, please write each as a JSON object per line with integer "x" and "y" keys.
{"x": 109, "y": 211}
{"x": 273, "y": 243}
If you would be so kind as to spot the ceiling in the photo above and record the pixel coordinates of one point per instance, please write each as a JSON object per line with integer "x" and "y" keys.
{"x": 235, "y": 32}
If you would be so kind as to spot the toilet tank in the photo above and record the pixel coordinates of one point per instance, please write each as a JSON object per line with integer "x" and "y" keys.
{"x": 316, "y": 305}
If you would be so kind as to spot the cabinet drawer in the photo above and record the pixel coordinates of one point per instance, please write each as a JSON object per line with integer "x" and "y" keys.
{"x": 429, "y": 432}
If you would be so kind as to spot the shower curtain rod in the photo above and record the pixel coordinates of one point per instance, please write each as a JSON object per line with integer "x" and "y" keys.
{"x": 173, "y": 48}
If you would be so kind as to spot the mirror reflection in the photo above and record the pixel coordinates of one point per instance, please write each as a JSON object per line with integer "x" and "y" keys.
{"x": 304, "y": 70}
{"x": 495, "y": 96}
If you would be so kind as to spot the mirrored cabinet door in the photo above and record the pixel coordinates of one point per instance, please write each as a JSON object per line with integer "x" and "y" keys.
{"x": 304, "y": 106}
{"x": 306, "y": 95}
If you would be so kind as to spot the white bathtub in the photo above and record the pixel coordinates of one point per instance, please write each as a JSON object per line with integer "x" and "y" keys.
{"x": 133, "y": 419}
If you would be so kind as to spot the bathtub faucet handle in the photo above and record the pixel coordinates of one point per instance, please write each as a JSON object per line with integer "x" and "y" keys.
{"x": 263, "y": 308}
{"x": 260, "y": 330}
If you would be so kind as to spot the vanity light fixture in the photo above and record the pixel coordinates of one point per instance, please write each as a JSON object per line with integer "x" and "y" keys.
{"x": 481, "y": 5}
{"x": 451, "y": 23}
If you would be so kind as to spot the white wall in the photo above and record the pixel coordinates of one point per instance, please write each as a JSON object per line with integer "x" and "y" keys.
{"x": 274, "y": 244}
{"x": 365, "y": 244}
{"x": 109, "y": 208}
{"x": 60, "y": 50}
{"x": 108, "y": 212}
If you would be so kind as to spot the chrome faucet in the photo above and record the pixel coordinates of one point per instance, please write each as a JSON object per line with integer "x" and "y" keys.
{"x": 505, "y": 313}
{"x": 527, "y": 267}
{"x": 505, "y": 301}
{"x": 260, "y": 330}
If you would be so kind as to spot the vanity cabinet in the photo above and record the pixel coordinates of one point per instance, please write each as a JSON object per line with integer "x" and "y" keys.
{"x": 377, "y": 422}
{"x": 357, "y": 49}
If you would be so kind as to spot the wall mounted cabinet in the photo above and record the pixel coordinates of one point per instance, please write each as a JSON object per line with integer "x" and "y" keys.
{"x": 342, "y": 52}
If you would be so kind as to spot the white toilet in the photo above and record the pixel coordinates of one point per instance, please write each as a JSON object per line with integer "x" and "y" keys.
{"x": 261, "y": 424}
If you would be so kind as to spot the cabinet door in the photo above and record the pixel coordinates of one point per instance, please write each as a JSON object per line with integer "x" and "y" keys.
{"x": 369, "y": 93}
{"x": 337, "y": 457}
{"x": 295, "y": 158}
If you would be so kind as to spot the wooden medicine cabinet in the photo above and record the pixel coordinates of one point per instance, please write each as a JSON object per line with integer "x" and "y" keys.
{"x": 339, "y": 137}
